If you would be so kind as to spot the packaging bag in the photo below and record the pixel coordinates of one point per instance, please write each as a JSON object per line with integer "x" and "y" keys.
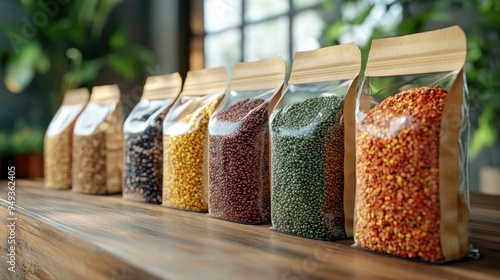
{"x": 143, "y": 139}
{"x": 239, "y": 187}
{"x": 312, "y": 171}
{"x": 59, "y": 139}
{"x": 97, "y": 144}
{"x": 411, "y": 148}
{"x": 185, "y": 140}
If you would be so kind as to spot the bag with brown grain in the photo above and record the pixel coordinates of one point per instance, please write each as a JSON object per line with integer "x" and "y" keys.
{"x": 143, "y": 139}
{"x": 411, "y": 148}
{"x": 185, "y": 140}
{"x": 239, "y": 187}
{"x": 312, "y": 145}
{"x": 59, "y": 139}
{"x": 97, "y": 144}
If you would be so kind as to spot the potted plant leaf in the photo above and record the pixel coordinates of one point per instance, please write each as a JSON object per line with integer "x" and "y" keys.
{"x": 59, "y": 45}
{"x": 484, "y": 83}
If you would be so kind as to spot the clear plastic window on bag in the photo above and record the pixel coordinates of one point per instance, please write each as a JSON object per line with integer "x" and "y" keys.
{"x": 97, "y": 145}
{"x": 185, "y": 143}
{"x": 411, "y": 148}
{"x": 307, "y": 136}
{"x": 239, "y": 157}
{"x": 59, "y": 140}
{"x": 398, "y": 136}
{"x": 143, "y": 139}
{"x": 143, "y": 153}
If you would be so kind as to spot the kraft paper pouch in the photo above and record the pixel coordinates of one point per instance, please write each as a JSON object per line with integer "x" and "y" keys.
{"x": 97, "y": 144}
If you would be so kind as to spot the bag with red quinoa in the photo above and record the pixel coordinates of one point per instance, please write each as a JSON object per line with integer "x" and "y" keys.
{"x": 97, "y": 144}
{"x": 59, "y": 139}
{"x": 239, "y": 187}
{"x": 312, "y": 170}
{"x": 412, "y": 146}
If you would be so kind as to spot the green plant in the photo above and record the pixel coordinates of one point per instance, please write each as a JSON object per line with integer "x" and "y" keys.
{"x": 483, "y": 54}
{"x": 61, "y": 42}
{"x": 23, "y": 139}
{"x": 483, "y": 75}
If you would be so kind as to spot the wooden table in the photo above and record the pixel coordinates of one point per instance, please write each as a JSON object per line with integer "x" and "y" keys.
{"x": 66, "y": 235}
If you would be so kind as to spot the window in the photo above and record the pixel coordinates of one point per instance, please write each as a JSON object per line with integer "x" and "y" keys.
{"x": 248, "y": 30}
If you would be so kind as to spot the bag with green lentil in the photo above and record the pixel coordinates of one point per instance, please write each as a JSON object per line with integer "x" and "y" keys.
{"x": 59, "y": 139}
{"x": 239, "y": 187}
{"x": 312, "y": 171}
{"x": 143, "y": 139}
{"x": 411, "y": 147}
{"x": 97, "y": 144}
{"x": 185, "y": 140}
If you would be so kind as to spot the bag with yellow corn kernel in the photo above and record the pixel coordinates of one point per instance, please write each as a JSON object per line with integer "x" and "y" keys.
{"x": 185, "y": 140}
{"x": 312, "y": 151}
{"x": 59, "y": 139}
{"x": 97, "y": 144}
{"x": 239, "y": 188}
{"x": 411, "y": 148}
{"x": 143, "y": 139}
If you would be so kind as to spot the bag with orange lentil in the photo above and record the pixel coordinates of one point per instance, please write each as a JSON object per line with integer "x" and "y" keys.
{"x": 185, "y": 140}
{"x": 411, "y": 148}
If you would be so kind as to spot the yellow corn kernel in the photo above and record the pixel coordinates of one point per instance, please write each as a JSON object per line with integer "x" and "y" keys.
{"x": 399, "y": 180}
{"x": 183, "y": 157}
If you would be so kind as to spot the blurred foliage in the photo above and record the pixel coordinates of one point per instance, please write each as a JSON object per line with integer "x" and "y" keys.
{"x": 482, "y": 27}
{"x": 64, "y": 44}
{"x": 61, "y": 45}
{"x": 24, "y": 139}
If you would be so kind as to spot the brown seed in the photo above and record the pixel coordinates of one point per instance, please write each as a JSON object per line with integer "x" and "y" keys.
{"x": 89, "y": 164}
{"x": 57, "y": 155}
{"x": 239, "y": 188}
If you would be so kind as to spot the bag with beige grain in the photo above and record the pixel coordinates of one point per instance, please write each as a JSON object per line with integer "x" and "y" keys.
{"x": 59, "y": 139}
{"x": 185, "y": 140}
{"x": 97, "y": 144}
{"x": 411, "y": 148}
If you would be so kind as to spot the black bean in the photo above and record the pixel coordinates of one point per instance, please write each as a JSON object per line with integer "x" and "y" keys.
{"x": 143, "y": 170}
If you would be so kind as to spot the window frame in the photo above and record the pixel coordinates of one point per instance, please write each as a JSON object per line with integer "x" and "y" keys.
{"x": 200, "y": 35}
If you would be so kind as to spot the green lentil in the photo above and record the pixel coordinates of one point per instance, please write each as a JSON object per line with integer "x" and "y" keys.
{"x": 307, "y": 169}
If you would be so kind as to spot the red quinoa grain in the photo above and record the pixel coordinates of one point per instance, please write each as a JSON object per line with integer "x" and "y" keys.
{"x": 239, "y": 163}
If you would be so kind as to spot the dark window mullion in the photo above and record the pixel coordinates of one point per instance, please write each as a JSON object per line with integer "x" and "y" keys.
{"x": 291, "y": 16}
{"x": 290, "y": 13}
{"x": 242, "y": 30}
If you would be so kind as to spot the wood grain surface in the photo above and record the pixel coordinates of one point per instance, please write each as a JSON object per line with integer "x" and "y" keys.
{"x": 65, "y": 235}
